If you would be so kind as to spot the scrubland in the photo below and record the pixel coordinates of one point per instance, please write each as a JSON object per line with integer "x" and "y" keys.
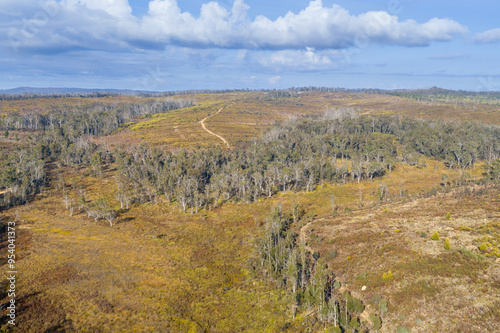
{"x": 413, "y": 249}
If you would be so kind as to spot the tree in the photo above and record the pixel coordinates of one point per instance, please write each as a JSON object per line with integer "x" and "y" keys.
{"x": 96, "y": 164}
{"x": 98, "y": 209}
{"x": 292, "y": 270}
{"x": 184, "y": 191}
{"x": 110, "y": 216}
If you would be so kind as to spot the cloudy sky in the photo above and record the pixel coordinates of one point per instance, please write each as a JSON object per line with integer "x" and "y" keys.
{"x": 175, "y": 45}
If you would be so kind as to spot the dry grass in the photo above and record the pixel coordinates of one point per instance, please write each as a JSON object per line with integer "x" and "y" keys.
{"x": 445, "y": 289}
{"x": 163, "y": 270}
{"x": 248, "y": 114}
{"x": 157, "y": 270}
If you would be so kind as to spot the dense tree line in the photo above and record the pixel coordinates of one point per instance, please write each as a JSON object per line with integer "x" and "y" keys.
{"x": 298, "y": 155}
{"x": 277, "y": 94}
{"x": 459, "y": 144}
{"x": 98, "y": 119}
{"x": 413, "y": 93}
{"x": 435, "y": 91}
{"x": 62, "y": 137}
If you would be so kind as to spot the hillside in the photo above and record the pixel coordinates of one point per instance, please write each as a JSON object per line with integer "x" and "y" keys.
{"x": 258, "y": 211}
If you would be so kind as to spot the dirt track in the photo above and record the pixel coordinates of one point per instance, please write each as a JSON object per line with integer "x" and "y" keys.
{"x": 202, "y": 122}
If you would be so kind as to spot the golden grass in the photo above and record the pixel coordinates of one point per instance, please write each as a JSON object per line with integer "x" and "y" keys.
{"x": 248, "y": 114}
{"x": 157, "y": 270}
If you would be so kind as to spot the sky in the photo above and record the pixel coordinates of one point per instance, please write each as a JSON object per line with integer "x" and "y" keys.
{"x": 165, "y": 45}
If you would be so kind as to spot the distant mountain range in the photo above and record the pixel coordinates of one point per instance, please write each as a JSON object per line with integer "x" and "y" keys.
{"x": 31, "y": 90}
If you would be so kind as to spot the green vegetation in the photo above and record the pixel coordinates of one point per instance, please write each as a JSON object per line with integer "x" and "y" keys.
{"x": 388, "y": 276}
{"x": 447, "y": 244}
{"x": 286, "y": 261}
{"x": 402, "y": 329}
{"x": 376, "y": 321}
{"x": 450, "y": 96}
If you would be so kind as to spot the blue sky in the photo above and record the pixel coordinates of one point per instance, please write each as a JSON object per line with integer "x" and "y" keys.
{"x": 176, "y": 45}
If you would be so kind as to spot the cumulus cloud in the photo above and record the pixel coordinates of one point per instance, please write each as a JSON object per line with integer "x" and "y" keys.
{"x": 108, "y": 24}
{"x": 490, "y": 36}
{"x": 54, "y": 27}
{"x": 335, "y": 28}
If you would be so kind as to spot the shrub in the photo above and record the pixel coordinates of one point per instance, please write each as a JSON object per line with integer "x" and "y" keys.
{"x": 402, "y": 329}
{"x": 354, "y": 322}
{"x": 447, "y": 244}
{"x": 435, "y": 236}
{"x": 448, "y": 216}
{"x": 354, "y": 305}
{"x": 483, "y": 247}
{"x": 376, "y": 322}
{"x": 375, "y": 299}
{"x": 416, "y": 290}
{"x": 388, "y": 276}
{"x": 299, "y": 297}
{"x": 332, "y": 254}
{"x": 382, "y": 305}
{"x": 470, "y": 254}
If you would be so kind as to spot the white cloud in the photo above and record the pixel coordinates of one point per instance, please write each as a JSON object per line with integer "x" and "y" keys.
{"x": 490, "y": 36}
{"x": 274, "y": 80}
{"x": 117, "y": 8}
{"x": 334, "y": 28}
{"x": 308, "y": 59}
{"x": 108, "y": 24}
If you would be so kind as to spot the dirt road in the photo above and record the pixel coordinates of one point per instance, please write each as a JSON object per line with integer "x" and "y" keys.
{"x": 202, "y": 122}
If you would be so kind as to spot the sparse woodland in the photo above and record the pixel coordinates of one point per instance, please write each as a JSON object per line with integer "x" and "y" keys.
{"x": 64, "y": 137}
{"x": 257, "y": 229}
{"x": 282, "y": 257}
{"x": 339, "y": 147}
